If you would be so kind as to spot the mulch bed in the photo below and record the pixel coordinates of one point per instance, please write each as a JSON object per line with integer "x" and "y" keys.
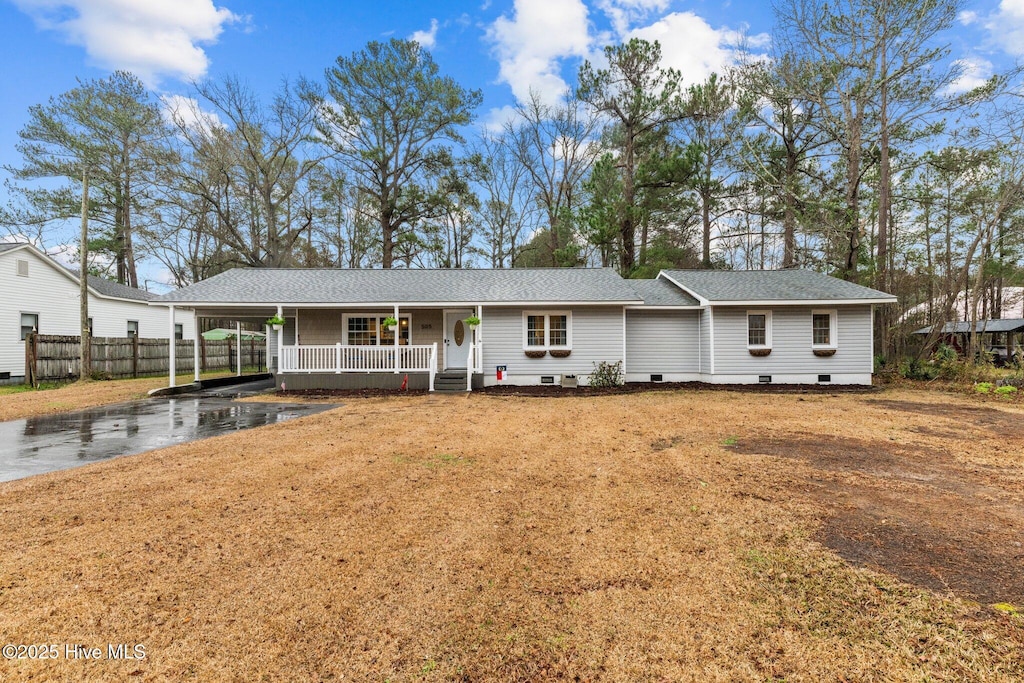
{"x": 556, "y": 391}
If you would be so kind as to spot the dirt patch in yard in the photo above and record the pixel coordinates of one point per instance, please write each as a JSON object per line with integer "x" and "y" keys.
{"x": 913, "y": 510}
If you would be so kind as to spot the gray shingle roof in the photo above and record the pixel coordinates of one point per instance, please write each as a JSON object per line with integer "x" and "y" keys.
{"x": 661, "y": 292}
{"x": 772, "y": 285}
{"x": 7, "y": 246}
{"x": 963, "y": 327}
{"x": 110, "y": 288}
{"x": 327, "y": 286}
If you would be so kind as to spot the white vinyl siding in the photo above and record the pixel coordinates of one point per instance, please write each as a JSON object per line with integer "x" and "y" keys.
{"x": 704, "y": 343}
{"x": 54, "y": 296}
{"x": 662, "y": 342}
{"x": 791, "y": 346}
{"x": 595, "y": 335}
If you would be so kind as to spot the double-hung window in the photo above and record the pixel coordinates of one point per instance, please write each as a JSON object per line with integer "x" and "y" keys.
{"x": 369, "y": 330}
{"x": 547, "y": 330}
{"x": 759, "y": 329}
{"x": 823, "y": 329}
{"x": 133, "y": 328}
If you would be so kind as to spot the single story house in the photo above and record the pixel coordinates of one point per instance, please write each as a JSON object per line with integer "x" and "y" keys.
{"x": 472, "y": 328}
{"x": 38, "y": 294}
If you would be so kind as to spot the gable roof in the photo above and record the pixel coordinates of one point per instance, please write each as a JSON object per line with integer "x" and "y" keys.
{"x": 660, "y": 293}
{"x": 99, "y": 286}
{"x": 287, "y": 286}
{"x": 772, "y": 286}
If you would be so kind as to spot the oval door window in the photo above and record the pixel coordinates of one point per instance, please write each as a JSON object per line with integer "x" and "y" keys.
{"x": 460, "y": 333}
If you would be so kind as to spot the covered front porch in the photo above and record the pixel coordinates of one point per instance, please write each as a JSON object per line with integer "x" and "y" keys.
{"x": 368, "y": 347}
{"x": 362, "y": 350}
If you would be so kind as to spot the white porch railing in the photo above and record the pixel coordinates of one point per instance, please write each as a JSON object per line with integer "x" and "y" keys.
{"x": 341, "y": 358}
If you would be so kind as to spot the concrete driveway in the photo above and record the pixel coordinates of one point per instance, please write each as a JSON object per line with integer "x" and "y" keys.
{"x": 56, "y": 442}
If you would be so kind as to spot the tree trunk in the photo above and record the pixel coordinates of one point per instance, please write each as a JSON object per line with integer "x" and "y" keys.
{"x": 129, "y": 250}
{"x": 85, "y": 346}
{"x": 627, "y": 229}
{"x": 789, "y": 213}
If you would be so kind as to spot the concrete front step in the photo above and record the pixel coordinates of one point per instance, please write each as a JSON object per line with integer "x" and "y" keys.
{"x": 450, "y": 381}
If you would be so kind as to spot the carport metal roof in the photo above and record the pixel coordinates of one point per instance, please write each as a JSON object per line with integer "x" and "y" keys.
{"x": 981, "y": 326}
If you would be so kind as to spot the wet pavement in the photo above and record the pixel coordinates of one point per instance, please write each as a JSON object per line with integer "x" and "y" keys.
{"x": 57, "y": 442}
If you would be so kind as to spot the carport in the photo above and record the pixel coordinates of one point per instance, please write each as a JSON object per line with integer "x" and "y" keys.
{"x": 956, "y": 332}
{"x": 239, "y": 317}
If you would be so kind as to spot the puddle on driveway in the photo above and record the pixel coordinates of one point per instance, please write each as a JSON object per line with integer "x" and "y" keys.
{"x": 57, "y": 442}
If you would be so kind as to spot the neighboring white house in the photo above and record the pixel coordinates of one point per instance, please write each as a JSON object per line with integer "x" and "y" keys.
{"x": 547, "y": 326}
{"x": 38, "y": 293}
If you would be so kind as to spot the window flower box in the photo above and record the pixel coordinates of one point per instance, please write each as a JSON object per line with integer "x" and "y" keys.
{"x": 560, "y": 353}
{"x": 760, "y": 353}
{"x": 824, "y": 353}
{"x": 535, "y": 353}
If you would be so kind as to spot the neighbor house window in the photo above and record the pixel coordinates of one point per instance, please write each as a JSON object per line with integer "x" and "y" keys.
{"x": 29, "y": 324}
{"x": 370, "y": 330}
{"x": 179, "y": 331}
{"x": 90, "y": 327}
{"x": 133, "y": 328}
{"x": 22, "y": 268}
{"x": 547, "y": 330}
{"x": 823, "y": 329}
{"x": 759, "y": 329}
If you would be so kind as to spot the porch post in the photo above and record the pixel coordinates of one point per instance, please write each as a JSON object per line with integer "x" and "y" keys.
{"x": 195, "y": 344}
{"x": 433, "y": 366}
{"x": 172, "y": 361}
{"x": 398, "y": 331}
{"x": 238, "y": 337}
{"x": 280, "y": 341}
{"x": 480, "y": 338}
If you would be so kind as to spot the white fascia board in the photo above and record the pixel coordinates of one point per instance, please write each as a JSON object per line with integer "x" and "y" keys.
{"x": 644, "y": 307}
{"x": 803, "y": 302}
{"x": 703, "y": 302}
{"x": 390, "y": 304}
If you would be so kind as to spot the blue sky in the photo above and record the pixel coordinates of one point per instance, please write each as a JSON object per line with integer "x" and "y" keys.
{"x": 503, "y": 47}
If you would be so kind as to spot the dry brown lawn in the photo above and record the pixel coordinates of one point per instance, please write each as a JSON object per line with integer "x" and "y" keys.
{"x": 17, "y": 403}
{"x": 666, "y": 536}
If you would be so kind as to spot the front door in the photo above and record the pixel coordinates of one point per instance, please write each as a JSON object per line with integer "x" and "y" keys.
{"x": 457, "y": 338}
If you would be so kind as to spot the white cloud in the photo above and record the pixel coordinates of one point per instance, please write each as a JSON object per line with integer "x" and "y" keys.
{"x": 151, "y": 38}
{"x": 531, "y": 45}
{"x": 967, "y": 17}
{"x": 974, "y": 73}
{"x": 1007, "y": 26}
{"x": 185, "y": 111}
{"x": 426, "y": 39}
{"x": 691, "y": 45}
{"x": 625, "y": 13}
{"x": 495, "y": 120}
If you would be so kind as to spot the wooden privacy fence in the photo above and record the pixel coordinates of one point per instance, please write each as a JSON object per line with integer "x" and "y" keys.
{"x": 50, "y": 357}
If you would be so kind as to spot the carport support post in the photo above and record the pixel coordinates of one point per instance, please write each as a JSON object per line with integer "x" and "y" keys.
{"x": 195, "y": 345}
{"x": 398, "y": 331}
{"x": 280, "y": 340}
{"x": 238, "y": 336}
{"x": 171, "y": 347}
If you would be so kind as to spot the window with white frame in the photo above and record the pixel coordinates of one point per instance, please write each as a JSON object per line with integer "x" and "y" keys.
{"x": 759, "y": 329}
{"x": 369, "y": 330}
{"x": 547, "y": 330}
{"x": 823, "y": 329}
{"x": 29, "y": 324}
{"x": 179, "y": 331}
